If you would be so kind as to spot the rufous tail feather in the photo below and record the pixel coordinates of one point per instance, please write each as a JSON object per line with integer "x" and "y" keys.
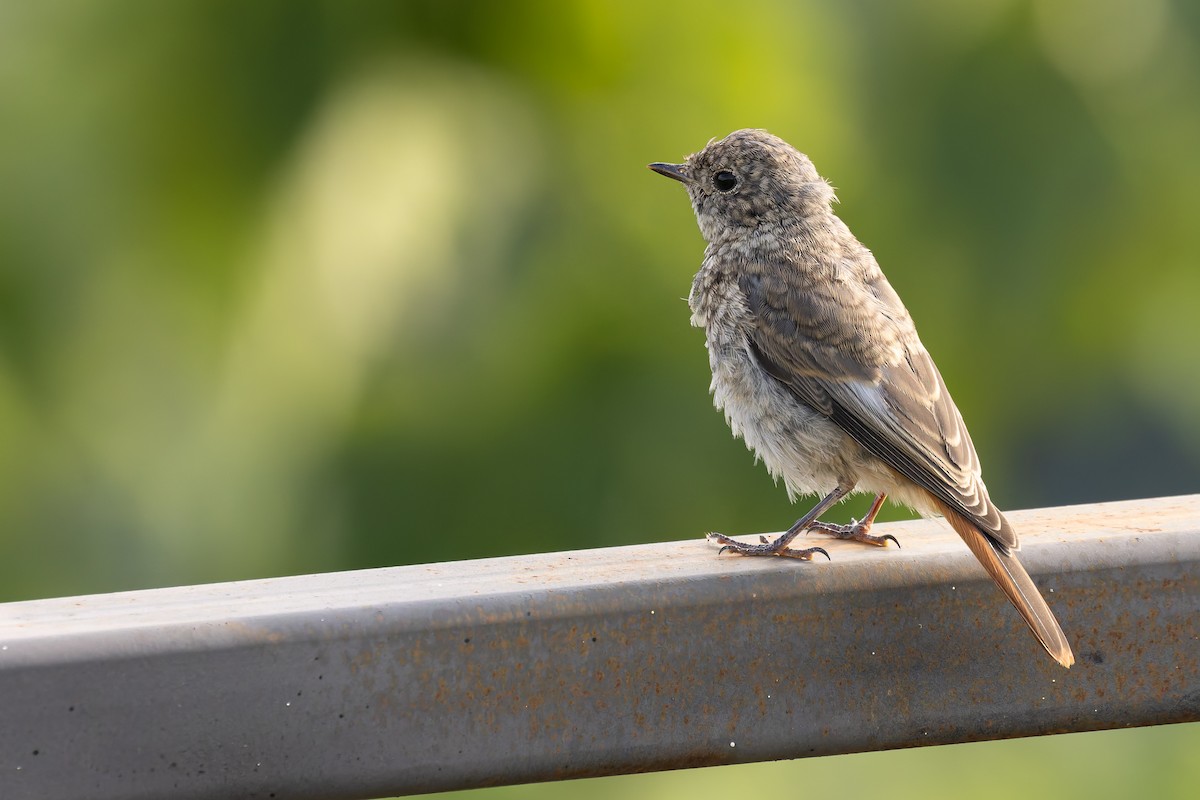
{"x": 1015, "y": 582}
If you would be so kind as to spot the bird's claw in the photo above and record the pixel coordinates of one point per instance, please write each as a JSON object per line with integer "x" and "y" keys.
{"x": 803, "y": 555}
{"x": 765, "y": 548}
{"x": 855, "y": 531}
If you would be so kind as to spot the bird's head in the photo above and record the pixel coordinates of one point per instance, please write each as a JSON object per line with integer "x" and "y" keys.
{"x": 749, "y": 179}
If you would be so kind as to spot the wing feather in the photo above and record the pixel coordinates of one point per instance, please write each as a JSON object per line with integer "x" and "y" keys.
{"x": 853, "y": 354}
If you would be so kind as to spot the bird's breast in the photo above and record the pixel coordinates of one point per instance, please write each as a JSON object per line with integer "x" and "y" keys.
{"x": 795, "y": 442}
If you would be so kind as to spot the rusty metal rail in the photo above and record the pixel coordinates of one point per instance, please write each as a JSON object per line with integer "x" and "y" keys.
{"x": 595, "y": 662}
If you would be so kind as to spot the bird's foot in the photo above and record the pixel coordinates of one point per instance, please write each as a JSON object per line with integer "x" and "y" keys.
{"x": 856, "y": 531}
{"x": 765, "y": 548}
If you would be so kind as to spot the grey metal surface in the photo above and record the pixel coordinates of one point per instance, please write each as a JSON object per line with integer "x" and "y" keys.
{"x": 563, "y": 665}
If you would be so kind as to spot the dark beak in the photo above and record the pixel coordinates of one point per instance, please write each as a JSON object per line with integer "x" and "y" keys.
{"x": 676, "y": 171}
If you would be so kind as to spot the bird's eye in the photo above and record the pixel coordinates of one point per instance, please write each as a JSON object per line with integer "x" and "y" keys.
{"x": 725, "y": 181}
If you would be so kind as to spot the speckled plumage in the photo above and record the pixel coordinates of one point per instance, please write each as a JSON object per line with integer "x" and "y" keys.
{"x": 816, "y": 362}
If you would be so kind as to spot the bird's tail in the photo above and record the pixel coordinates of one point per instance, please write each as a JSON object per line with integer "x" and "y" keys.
{"x": 1015, "y": 582}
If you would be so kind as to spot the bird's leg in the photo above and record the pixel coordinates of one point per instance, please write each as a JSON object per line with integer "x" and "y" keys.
{"x": 779, "y": 547}
{"x": 857, "y": 530}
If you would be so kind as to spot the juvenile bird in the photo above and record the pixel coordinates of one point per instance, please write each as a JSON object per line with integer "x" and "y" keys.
{"x": 818, "y": 366}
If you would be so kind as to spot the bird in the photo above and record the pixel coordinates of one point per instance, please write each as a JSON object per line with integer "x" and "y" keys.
{"x": 817, "y": 365}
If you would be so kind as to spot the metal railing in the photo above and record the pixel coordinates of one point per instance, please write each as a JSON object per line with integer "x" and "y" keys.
{"x": 595, "y": 662}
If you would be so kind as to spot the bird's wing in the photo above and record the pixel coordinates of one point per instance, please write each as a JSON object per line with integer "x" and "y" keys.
{"x": 849, "y": 350}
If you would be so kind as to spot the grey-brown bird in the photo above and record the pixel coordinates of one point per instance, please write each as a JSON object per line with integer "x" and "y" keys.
{"x": 818, "y": 366}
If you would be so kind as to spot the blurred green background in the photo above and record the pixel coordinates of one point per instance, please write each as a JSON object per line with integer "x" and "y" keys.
{"x": 298, "y": 286}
